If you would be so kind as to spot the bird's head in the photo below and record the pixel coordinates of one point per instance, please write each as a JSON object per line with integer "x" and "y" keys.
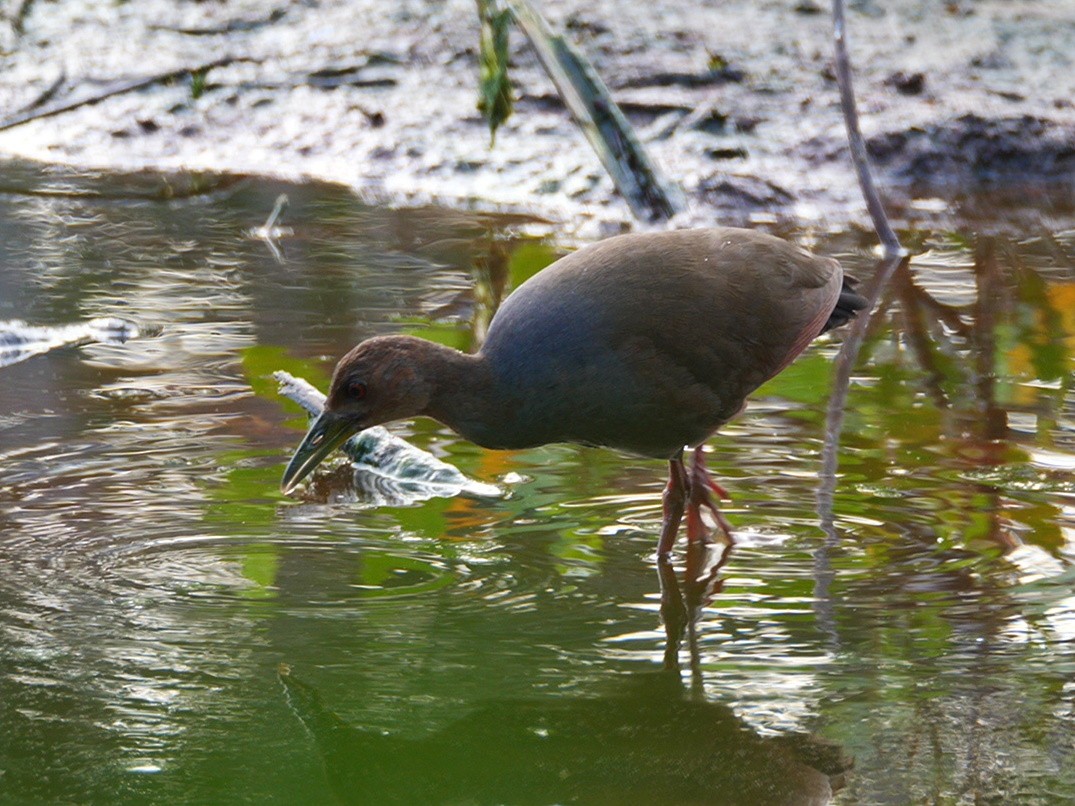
{"x": 380, "y": 380}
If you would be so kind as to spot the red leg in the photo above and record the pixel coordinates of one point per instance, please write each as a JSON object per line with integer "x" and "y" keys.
{"x": 675, "y": 496}
{"x": 701, "y": 489}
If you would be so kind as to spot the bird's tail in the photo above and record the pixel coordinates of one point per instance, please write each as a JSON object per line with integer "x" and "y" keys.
{"x": 847, "y": 305}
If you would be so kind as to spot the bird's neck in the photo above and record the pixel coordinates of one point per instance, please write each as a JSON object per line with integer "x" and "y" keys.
{"x": 463, "y": 392}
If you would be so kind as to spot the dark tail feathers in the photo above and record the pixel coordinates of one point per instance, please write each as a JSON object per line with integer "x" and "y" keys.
{"x": 848, "y": 304}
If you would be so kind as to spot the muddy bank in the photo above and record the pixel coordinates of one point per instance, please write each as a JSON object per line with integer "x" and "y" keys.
{"x": 736, "y": 101}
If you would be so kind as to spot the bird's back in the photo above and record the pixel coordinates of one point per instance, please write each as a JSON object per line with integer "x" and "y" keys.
{"x": 650, "y": 342}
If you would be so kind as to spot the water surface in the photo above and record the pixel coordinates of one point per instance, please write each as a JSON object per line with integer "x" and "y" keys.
{"x": 153, "y": 580}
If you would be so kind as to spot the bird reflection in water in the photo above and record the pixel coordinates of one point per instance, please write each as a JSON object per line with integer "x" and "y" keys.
{"x": 647, "y": 743}
{"x": 682, "y": 605}
{"x": 652, "y": 740}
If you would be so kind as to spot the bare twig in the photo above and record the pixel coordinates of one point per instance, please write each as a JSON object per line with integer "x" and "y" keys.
{"x": 203, "y": 185}
{"x": 117, "y": 88}
{"x": 19, "y": 341}
{"x": 889, "y": 240}
{"x": 230, "y": 27}
{"x": 270, "y": 232}
{"x": 46, "y": 94}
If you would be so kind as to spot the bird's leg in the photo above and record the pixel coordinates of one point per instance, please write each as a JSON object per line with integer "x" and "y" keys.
{"x": 701, "y": 489}
{"x": 673, "y": 611}
{"x": 701, "y": 582}
{"x": 675, "y": 496}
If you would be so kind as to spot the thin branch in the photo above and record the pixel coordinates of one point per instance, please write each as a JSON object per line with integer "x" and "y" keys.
{"x": 46, "y": 94}
{"x": 230, "y": 27}
{"x": 887, "y": 235}
{"x": 117, "y": 88}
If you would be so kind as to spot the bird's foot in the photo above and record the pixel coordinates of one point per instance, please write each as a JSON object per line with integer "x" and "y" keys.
{"x": 700, "y": 496}
{"x": 692, "y": 491}
{"x": 697, "y": 529}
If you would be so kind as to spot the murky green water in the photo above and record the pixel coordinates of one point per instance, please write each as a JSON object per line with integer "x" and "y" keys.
{"x": 153, "y": 580}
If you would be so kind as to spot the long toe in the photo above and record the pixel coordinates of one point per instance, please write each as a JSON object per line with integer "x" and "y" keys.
{"x": 702, "y": 487}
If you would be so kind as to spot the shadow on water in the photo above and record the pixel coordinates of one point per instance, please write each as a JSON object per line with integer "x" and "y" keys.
{"x": 152, "y": 577}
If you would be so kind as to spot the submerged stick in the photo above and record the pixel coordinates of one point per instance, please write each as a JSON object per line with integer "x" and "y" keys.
{"x": 649, "y": 195}
{"x": 859, "y": 158}
{"x": 270, "y": 232}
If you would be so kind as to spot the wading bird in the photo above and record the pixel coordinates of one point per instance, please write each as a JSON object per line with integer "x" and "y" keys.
{"x": 647, "y": 343}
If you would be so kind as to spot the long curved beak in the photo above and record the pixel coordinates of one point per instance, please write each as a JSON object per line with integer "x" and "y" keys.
{"x": 327, "y": 433}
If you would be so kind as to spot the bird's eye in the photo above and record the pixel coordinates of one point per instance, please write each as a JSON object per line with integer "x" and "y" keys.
{"x": 356, "y": 390}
